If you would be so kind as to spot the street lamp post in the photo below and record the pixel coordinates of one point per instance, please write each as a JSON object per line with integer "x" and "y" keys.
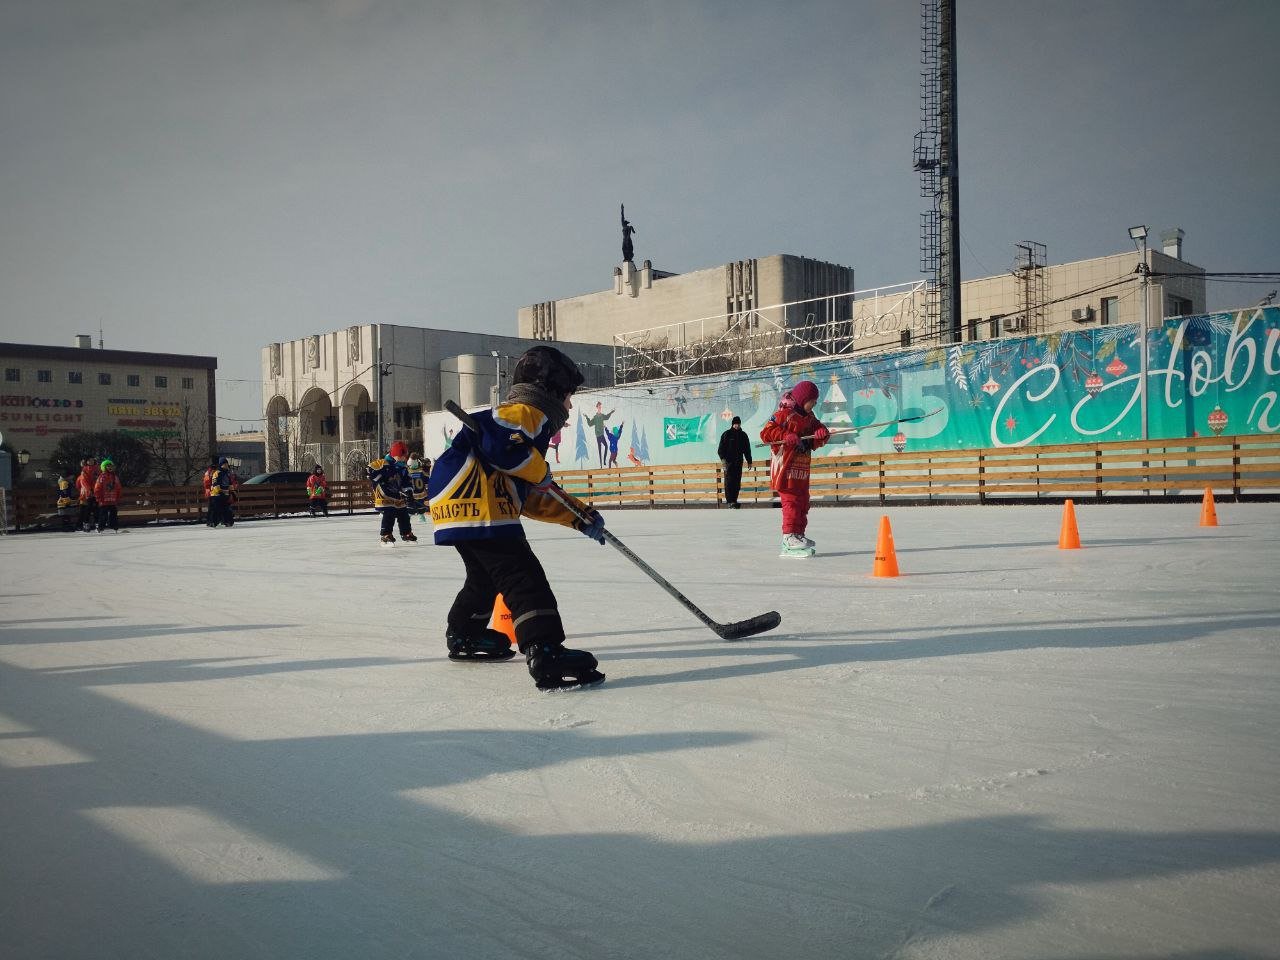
{"x": 1138, "y": 235}
{"x": 497, "y": 377}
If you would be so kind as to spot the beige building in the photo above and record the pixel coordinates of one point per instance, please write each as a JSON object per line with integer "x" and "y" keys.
{"x": 165, "y": 399}
{"x": 322, "y": 394}
{"x": 784, "y": 308}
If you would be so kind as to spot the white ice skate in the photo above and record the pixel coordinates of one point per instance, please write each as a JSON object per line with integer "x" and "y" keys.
{"x": 796, "y": 547}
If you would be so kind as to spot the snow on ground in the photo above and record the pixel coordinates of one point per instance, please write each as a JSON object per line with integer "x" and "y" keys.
{"x": 248, "y": 743}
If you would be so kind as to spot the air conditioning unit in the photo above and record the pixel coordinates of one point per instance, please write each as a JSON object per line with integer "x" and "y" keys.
{"x": 1082, "y": 314}
{"x": 1014, "y": 324}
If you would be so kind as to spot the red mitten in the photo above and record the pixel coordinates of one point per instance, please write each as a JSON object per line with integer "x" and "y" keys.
{"x": 791, "y": 441}
{"x": 820, "y": 436}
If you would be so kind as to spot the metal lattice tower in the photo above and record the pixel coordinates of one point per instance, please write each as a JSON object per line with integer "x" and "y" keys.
{"x": 935, "y": 157}
{"x": 926, "y": 159}
{"x": 1029, "y": 265}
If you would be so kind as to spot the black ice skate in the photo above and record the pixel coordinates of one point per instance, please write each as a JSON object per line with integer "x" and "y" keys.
{"x": 478, "y": 645}
{"x": 388, "y": 538}
{"x": 409, "y": 537}
{"x": 555, "y": 668}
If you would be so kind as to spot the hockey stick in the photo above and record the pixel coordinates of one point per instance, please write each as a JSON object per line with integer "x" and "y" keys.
{"x": 725, "y": 631}
{"x": 866, "y": 426}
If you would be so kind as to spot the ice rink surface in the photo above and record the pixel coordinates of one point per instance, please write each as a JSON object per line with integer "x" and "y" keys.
{"x": 248, "y": 743}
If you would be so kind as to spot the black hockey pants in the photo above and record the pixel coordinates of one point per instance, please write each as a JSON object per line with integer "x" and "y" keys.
{"x": 510, "y": 568}
{"x": 392, "y": 516}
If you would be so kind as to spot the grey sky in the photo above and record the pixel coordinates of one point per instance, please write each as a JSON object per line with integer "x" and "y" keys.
{"x": 208, "y": 177}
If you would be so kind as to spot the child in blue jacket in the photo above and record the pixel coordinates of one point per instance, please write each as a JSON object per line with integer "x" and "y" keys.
{"x": 479, "y": 489}
{"x": 392, "y": 490}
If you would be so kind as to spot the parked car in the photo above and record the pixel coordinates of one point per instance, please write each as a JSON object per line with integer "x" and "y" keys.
{"x": 291, "y": 477}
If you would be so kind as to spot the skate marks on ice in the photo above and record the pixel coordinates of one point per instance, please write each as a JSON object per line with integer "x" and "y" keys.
{"x": 389, "y": 873}
{"x": 779, "y": 653}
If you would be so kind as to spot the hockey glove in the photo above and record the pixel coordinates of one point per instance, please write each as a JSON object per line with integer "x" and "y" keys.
{"x": 594, "y": 527}
{"x": 546, "y": 483}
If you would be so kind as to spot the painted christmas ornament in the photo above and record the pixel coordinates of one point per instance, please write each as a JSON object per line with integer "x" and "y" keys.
{"x": 1117, "y": 367}
{"x": 899, "y": 441}
{"x": 990, "y": 386}
{"x": 1217, "y": 421}
{"x": 1093, "y": 383}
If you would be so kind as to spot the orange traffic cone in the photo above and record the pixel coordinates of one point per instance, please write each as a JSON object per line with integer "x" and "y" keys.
{"x": 502, "y": 619}
{"x": 1208, "y": 513}
{"x": 886, "y": 564}
{"x": 1069, "y": 538}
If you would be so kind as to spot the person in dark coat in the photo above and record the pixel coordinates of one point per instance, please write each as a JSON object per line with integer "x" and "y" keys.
{"x": 734, "y": 448}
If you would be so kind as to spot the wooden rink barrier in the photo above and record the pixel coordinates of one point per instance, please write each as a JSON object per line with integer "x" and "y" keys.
{"x": 1246, "y": 466}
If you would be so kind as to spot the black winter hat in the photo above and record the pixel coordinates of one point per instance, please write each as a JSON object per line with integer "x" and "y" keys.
{"x": 548, "y": 368}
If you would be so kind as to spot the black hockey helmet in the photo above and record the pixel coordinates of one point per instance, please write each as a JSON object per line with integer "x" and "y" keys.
{"x": 548, "y": 368}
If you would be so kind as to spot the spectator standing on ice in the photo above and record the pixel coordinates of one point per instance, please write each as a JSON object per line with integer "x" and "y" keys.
{"x": 479, "y": 489}
{"x": 392, "y": 489}
{"x": 318, "y": 491}
{"x": 733, "y": 450}
{"x": 106, "y": 491}
{"x": 84, "y": 488}
{"x": 792, "y": 433}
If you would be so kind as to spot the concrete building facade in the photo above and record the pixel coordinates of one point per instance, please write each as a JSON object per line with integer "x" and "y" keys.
{"x": 167, "y": 399}
{"x": 784, "y": 308}
{"x": 322, "y": 395}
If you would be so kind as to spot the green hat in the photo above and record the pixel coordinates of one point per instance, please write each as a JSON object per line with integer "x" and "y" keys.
{"x": 107, "y": 464}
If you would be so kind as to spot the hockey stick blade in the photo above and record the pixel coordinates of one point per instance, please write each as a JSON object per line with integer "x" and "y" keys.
{"x": 748, "y": 628}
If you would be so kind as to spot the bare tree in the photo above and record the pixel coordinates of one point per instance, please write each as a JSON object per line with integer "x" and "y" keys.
{"x": 179, "y": 451}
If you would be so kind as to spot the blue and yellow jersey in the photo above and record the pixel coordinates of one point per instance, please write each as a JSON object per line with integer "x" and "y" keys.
{"x": 418, "y": 490}
{"x": 390, "y": 480}
{"x": 67, "y": 493}
{"x": 482, "y": 485}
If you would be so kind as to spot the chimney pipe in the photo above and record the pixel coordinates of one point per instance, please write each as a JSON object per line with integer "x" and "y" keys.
{"x": 1171, "y": 243}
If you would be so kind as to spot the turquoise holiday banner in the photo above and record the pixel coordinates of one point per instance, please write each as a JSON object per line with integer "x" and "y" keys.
{"x": 678, "y": 430}
{"x": 1212, "y": 374}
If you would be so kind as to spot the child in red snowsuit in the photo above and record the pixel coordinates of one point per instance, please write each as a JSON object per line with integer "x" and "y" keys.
{"x": 792, "y": 433}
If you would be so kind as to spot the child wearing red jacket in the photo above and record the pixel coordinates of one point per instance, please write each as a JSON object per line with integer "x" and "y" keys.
{"x": 792, "y": 433}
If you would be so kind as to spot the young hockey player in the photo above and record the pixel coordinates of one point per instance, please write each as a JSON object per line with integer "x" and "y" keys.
{"x": 391, "y": 492}
{"x": 222, "y": 482}
{"x": 318, "y": 491}
{"x": 207, "y": 481}
{"x": 786, "y": 434}
{"x": 68, "y": 501}
{"x": 479, "y": 489}
{"x": 106, "y": 490}
{"x": 84, "y": 487}
{"x": 419, "y": 473}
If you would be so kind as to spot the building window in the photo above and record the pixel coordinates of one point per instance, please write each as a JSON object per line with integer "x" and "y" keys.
{"x": 12, "y": 375}
{"x": 994, "y": 330}
{"x": 1178, "y": 307}
{"x": 162, "y": 381}
{"x": 44, "y": 376}
{"x": 407, "y": 416}
{"x": 973, "y": 328}
{"x": 1110, "y": 311}
{"x": 104, "y": 379}
{"x": 188, "y": 383}
{"x": 134, "y": 380}
{"x": 73, "y": 376}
